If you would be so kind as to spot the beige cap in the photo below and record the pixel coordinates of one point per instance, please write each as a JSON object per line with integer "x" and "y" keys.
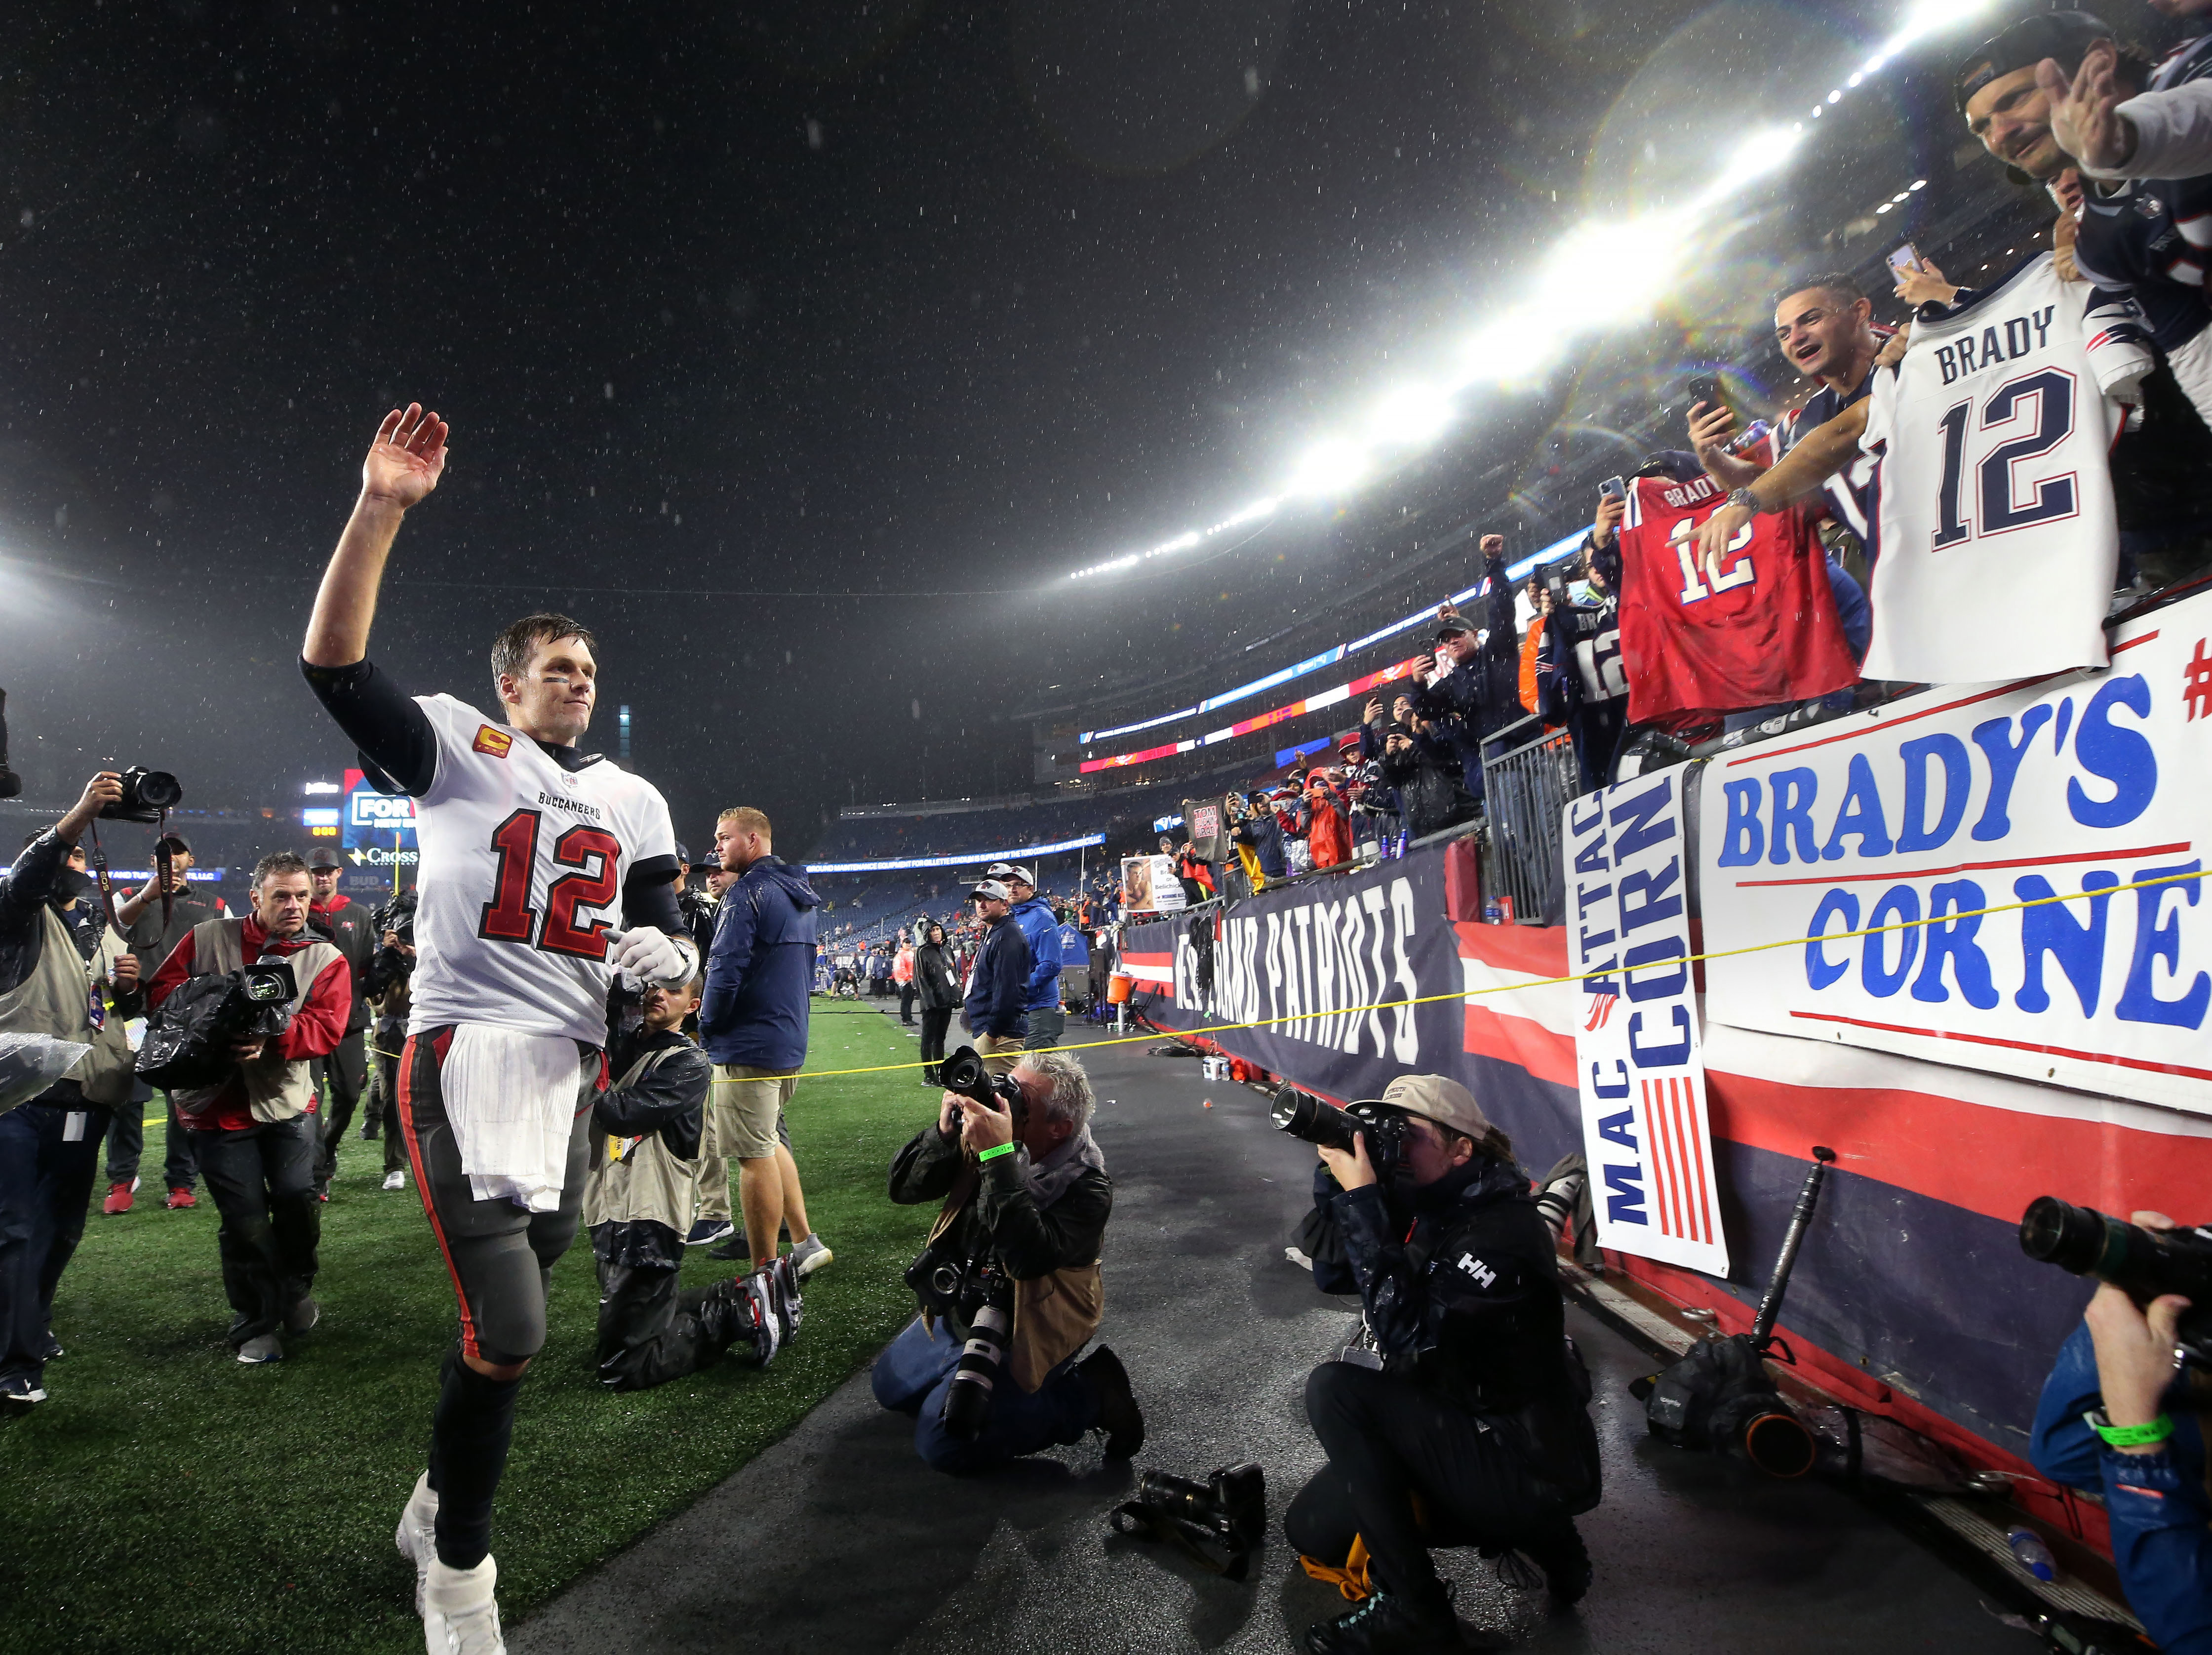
{"x": 1441, "y": 1099}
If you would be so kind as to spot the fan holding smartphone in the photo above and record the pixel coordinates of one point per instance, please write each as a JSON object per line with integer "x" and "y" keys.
{"x": 1918, "y": 281}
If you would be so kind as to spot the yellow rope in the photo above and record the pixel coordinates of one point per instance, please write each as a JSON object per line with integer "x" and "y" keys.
{"x": 1572, "y": 976}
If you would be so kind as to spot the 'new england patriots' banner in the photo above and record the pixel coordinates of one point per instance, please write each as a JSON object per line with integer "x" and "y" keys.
{"x": 1639, "y": 1060}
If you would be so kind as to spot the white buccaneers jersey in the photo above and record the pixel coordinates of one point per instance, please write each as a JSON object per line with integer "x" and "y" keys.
{"x": 521, "y": 879}
{"x": 1999, "y": 542}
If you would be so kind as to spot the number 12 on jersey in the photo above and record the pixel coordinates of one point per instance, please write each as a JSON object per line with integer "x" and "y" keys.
{"x": 2045, "y": 401}
{"x": 508, "y": 917}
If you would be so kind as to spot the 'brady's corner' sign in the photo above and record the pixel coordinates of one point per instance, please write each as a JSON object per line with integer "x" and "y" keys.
{"x": 1639, "y": 1056}
{"x": 2093, "y": 787}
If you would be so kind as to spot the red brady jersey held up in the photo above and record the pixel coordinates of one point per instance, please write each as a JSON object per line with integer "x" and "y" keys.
{"x": 1695, "y": 647}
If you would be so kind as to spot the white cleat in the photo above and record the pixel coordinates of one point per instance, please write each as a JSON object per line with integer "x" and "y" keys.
{"x": 460, "y": 1616}
{"x": 417, "y": 1534}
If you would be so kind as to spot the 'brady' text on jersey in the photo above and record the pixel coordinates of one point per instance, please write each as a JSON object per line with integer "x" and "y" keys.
{"x": 2016, "y": 336}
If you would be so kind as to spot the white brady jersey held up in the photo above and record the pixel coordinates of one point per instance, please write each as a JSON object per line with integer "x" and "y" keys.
{"x": 521, "y": 879}
{"x": 1999, "y": 542}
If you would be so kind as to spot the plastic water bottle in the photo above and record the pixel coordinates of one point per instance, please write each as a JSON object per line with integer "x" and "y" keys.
{"x": 1492, "y": 913}
{"x": 2030, "y": 1554}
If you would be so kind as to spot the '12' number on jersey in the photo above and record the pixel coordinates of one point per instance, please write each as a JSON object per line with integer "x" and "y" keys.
{"x": 2048, "y": 396}
{"x": 1684, "y": 542}
{"x": 508, "y": 917}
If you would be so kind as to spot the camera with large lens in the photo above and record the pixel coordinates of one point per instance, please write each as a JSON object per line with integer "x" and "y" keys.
{"x": 1316, "y": 1120}
{"x": 396, "y": 912}
{"x": 1221, "y": 1522}
{"x": 148, "y": 796}
{"x": 964, "y": 1072}
{"x": 2141, "y": 1263}
{"x": 986, "y": 1300}
{"x": 188, "y": 1043}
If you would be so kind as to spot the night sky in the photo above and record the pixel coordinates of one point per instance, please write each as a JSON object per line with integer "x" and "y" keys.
{"x": 725, "y": 303}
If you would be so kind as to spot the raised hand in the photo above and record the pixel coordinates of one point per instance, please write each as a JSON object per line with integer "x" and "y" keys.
{"x": 2085, "y": 110}
{"x": 1924, "y": 285}
{"x": 407, "y": 458}
{"x": 1611, "y": 508}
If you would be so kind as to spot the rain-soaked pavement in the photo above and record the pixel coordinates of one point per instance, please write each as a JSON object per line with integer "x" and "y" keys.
{"x": 839, "y": 1540}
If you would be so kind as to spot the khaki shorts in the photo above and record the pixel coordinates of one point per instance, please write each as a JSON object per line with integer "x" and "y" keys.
{"x": 998, "y": 1055}
{"x": 748, "y": 1105}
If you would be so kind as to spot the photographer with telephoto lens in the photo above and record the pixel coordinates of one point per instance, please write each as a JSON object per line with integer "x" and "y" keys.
{"x": 1009, "y": 1283}
{"x": 254, "y": 1127}
{"x": 1461, "y": 1417}
{"x": 49, "y": 1145}
{"x": 2121, "y": 1415}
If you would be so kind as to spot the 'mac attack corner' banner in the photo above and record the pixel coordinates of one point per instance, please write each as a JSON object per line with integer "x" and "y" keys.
{"x": 1646, "y": 1133}
{"x": 1965, "y": 798}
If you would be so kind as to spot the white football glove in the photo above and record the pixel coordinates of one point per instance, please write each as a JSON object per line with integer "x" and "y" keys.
{"x": 653, "y": 957}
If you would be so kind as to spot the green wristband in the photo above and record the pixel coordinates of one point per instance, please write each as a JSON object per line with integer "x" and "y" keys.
{"x": 2131, "y": 1436}
{"x": 1008, "y": 1149}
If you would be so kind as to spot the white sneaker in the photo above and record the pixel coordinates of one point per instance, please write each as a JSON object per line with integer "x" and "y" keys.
{"x": 460, "y": 1616}
{"x": 417, "y": 1534}
{"x": 395, "y": 1179}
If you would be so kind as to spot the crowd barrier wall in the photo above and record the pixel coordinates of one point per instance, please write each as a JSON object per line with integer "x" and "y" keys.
{"x": 1911, "y": 1295}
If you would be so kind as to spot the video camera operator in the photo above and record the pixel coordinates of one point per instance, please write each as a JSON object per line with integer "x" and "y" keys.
{"x": 1011, "y": 1260}
{"x": 2118, "y": 1420}
{"x": 1462, "y": 1417}
{"x": 255, "y": 1131}
{"x": 49, "y": 1145}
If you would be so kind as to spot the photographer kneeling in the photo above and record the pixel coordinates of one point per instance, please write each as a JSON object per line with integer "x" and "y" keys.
{"x": 1462, "y": 1418}
{"x": 1011, "y": 1265}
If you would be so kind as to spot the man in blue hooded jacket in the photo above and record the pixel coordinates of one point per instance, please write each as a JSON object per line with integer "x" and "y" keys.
{"x": 1040, "y": 930}
{"x": 753, "y": 1023}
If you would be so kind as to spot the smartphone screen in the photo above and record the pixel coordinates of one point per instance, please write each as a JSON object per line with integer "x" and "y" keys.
{"x": 1904, "y": 258}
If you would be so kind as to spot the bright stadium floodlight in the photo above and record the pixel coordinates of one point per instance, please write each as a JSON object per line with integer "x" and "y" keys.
{"x": 1597, "y": 273}
{"x": 1411, "y": 415}
{"x": 1332, "y": 467}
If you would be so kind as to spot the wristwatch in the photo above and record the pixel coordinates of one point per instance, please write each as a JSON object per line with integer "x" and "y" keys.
{"x": 1745, "y": 498}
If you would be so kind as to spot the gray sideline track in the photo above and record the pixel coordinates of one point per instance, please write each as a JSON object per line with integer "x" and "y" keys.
{"x": 839, "y": 1540}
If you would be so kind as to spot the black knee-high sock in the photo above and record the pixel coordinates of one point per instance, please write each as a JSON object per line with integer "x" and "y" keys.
{"x": 469, "y": 1437}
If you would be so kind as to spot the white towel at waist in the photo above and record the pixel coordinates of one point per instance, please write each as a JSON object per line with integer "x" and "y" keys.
{"x": 512, "y": 1099}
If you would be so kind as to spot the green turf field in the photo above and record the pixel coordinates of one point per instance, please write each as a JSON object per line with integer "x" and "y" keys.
{"x": 167, "y": 1497}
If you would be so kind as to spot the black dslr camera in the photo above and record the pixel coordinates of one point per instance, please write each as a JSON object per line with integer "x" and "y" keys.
{"x": 2141, "y": 1263}
{"x": 148, "y": 796}
{"x": 1220, "y": 1522}
{"x": 1310, "y": 1120}
{"x": 188, "y": 1043}
{"x": 963, "y": 1073}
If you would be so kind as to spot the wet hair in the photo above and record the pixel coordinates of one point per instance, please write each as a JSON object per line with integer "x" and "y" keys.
{"x": 278, "y": 861}
{"x": 512, "y": 649}
{"x": 1830, "y": 282}
{"x": 748, "y": 819}
{"x": 1070, "y": 1098}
